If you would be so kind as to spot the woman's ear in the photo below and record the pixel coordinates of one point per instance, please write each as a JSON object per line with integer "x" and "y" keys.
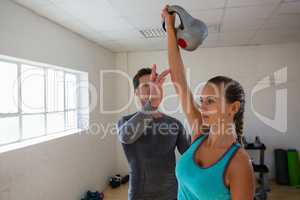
{"x": 235, "y": 106}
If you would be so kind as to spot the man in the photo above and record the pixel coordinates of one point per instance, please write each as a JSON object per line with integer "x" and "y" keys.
{"x": 149, "y": 139}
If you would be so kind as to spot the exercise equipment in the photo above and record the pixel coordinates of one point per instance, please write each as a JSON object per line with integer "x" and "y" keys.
{"x": 257, "y": 141}
{"x": 281, "y": 167}
{"x": 125, "y": 179}
{"x": 115, "y": 181}
{"x": 191, "y": 32}
{"x": 262, "y": 188}
{"x": 293, "y": 167}
{"x": 93, "y": 196}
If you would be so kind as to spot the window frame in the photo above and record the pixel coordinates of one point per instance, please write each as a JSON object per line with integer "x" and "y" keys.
{"x": 19, "y": 62}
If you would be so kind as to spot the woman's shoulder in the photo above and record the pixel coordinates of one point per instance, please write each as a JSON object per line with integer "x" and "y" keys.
{"x": 240, "y": 162}
{"x": 242, "y": 155}
{"x": 240, "y": 174}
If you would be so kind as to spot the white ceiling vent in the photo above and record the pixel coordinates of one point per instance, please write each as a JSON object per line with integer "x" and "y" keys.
{"x": 160, "y": 33}
{"x": 153, "y": 33}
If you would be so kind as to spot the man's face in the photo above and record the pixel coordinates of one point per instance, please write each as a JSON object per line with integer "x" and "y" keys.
{"x": 143, "y": 91}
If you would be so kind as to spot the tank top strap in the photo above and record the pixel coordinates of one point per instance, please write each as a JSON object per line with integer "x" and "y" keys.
{"x": 229, "y": 155}
{"x": 196, "y": 143}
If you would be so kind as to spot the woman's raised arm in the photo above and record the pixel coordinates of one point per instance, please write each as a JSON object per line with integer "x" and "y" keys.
{"x": 178, "y": 76}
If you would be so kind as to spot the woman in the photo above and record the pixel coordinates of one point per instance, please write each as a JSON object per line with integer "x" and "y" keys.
{"x": 215, "y": 166}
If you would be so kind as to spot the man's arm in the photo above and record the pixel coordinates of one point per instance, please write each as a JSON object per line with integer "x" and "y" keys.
{"x": 183, "y": 139}
{"x": 131, "y": 130}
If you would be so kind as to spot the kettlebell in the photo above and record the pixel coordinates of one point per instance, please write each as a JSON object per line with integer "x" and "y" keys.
{"x": 191, "y": 32}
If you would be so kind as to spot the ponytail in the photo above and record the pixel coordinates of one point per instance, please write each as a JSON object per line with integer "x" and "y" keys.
{"x": 239, "y": 125}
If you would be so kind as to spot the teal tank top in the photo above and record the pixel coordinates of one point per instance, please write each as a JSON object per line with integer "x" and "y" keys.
{"x": 200, "y": 183}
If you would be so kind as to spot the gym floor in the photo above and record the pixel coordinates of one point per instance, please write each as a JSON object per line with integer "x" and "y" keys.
{"x": 277, "y": 193}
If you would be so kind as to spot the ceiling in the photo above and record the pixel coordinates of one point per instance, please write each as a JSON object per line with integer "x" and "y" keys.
{"x": 115, "y": 24}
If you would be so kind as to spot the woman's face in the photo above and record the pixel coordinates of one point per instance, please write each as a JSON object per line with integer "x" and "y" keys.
{"x": 213, "y": 106}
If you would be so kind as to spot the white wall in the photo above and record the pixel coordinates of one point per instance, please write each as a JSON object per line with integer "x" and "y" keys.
{"x": 63, "y": 168}
{"x": 246, "y": 64}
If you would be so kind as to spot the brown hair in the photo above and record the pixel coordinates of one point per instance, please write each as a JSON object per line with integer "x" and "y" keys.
{"x": 233, "y": 92}
{"x": 139, "y": 74}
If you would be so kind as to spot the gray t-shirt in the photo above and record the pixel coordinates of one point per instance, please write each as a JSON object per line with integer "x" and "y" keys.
{"x": 149, "y": 145}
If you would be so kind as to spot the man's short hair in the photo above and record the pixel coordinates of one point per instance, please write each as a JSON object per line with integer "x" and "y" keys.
{"x": 139, "y": 74}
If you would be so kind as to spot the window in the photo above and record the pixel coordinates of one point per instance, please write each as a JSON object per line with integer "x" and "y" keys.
{"x": 8, "y": 87}
{"x": 32, "y": 89}
{"x": 39, "y": 100}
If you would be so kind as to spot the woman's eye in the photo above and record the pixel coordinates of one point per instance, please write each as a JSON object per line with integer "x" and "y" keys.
{"x": 145, "y": 86}
{"x": 210, "y": 101}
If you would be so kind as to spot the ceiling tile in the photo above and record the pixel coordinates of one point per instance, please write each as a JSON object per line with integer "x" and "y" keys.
{"x": 198, "y": 4}
{"x": 212, "y": 37}
{"x": 289, "y": 8}
{"x": 113, "y": 46}
{"x": 95, "y": 36}
{"x": 241, "y": 25}
{"x": 91, "y": 9}
{"x": 232, "y": 43}
{"x": 290, "y": 0}
{"x": 283, "y": 22}
{"x": 145, "y": 44}
{"x": 271, "y": 37}
{"x": 152, "y": 20}
{"x": 211, "y": 41}
{"x": 55, "y": 14}
{"x": 237, "y": 3}
{"x": 98, "y": 14}
{"x": 212, "y": 16}
{"x": 245, "y": 18}
{"x": 236, "y": 36}
{"x": 116, "y": 23}
{"x": 137, "y": 7}
{"x": 122, "y": 34}
{"x": 34, "y": 4}
{"x": 209, "y": 44}
{"x": 76, "y": 26}
{"x": 242, "y": 13}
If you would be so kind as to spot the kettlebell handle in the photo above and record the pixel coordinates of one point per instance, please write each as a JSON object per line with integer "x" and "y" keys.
{"x": 164, "y": 21}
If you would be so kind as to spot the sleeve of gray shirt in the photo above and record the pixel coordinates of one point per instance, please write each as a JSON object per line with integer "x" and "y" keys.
{"x": 131, "y": 130}
{"x": 183, "y": 140}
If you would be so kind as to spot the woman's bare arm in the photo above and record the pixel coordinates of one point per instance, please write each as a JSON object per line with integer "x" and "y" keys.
{"x": 178, "y": 77}
{"x": 242, "y": 178}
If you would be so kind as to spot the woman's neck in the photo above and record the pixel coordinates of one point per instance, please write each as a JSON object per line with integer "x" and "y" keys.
{"x": 221, "y": 136}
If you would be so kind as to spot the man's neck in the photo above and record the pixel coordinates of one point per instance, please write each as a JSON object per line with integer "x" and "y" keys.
{"x": 156, "y": 114}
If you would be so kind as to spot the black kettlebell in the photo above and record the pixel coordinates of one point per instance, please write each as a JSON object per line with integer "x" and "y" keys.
{"x": 191, "y": 32}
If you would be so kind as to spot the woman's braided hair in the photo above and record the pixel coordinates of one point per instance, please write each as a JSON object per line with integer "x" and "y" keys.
{"x": 233, "y": 92}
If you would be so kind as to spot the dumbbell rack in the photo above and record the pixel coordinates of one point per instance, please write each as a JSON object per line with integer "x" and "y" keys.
{"x": 262, "y": 189}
